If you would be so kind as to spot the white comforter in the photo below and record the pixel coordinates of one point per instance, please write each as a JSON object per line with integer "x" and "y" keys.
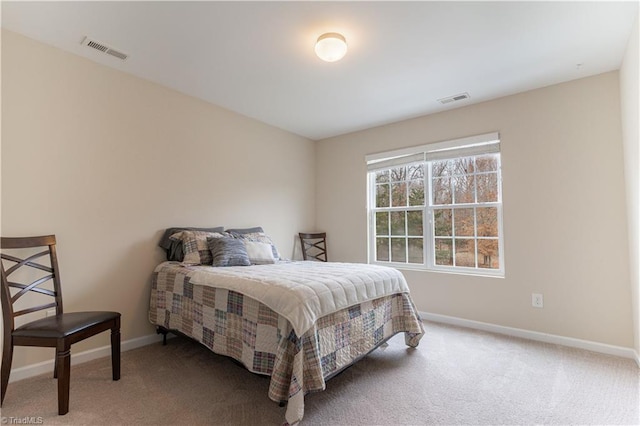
{"x": 302, "y": 292}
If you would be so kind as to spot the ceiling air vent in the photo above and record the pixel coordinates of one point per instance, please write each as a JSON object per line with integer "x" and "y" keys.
{"x": 454, "y": 98}
{"x": 104, "y": 48}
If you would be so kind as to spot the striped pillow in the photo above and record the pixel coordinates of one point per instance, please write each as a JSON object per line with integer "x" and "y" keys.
{"x": 228, "y": 252}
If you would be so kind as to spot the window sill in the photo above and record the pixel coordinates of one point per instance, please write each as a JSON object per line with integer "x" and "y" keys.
{"x": 421, "y": 268}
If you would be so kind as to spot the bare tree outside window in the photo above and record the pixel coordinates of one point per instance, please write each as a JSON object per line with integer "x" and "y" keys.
{"x": 469, "y": 219}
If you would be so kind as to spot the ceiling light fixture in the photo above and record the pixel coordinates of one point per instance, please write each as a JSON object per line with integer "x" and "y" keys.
{"x": 331, "y": 47}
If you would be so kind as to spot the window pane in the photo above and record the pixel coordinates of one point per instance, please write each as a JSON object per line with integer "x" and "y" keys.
{"x": 487, "y": 163}
{"x": 398, "y": 250}
{"x": 398, "y": 174}
{"x": 488, "y": 256}
{"x": 463, "y": 222}
{"x": 382, "y": 249}
{"x": 382, "y": 176}
{"x": 487, "y": 221}
{"x": 397, "y": 223}
{"x": 382, "y": 195}
{"x": 465, "y": 252}
{"x": 444, "y": 251}
{"x": 415, "y": 172}
{"x": 441, "y": 191}
{"x": 416, "y": 253}
{"x": 463, "y": 187}
{"x": 382, "y": 223}
{"x": 399, "y": 194}
{"x": 416, "y": 193}
{"x": 462, "y": 166}
{"x": 442, "y": 222}
{"x": 441, "y": 168}
{"x": 414, "y": 223}
{"x": 487, "y": 187}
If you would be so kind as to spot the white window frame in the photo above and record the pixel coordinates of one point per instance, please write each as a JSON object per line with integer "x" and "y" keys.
{"x": 426, "y": 154}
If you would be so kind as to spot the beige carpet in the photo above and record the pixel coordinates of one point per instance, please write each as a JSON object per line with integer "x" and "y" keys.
{"x": 456, "y": 376}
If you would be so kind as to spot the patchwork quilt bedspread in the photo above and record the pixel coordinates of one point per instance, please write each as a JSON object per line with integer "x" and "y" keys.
{"x": 302, "y": 292}
{"x": 300, "y": 348}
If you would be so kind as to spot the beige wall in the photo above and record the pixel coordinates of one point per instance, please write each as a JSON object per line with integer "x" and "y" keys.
{"x": 629, "y": 89}
{"x": 564, "y": 210}
{"x": 115, "y": 159}
{"x": 106, "y": 161}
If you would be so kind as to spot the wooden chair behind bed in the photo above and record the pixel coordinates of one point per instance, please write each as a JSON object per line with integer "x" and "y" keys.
{"x": 60, "y": 330}
{"x": 314, "y": 246}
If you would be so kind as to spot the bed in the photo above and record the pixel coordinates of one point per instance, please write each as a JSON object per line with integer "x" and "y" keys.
{"x": 298, "y": 322}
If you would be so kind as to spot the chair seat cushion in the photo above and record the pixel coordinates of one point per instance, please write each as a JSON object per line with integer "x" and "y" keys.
{"x": 63, "y": 325}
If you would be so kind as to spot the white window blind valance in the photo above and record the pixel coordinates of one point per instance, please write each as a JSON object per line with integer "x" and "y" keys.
{"x": 473, "y": 145}
{"x": 388, "y": 163}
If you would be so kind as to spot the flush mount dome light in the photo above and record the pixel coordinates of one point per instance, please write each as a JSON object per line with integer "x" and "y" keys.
{"x": 331, "y": 47}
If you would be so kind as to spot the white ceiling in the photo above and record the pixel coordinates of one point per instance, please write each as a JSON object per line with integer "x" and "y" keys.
{"x": 257, "y": 58}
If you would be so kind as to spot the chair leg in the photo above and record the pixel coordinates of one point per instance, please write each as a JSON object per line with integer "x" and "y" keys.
{"x": 63, "y": 358}
{"x": 115, "y": 352}
{"x": 55, "y": 367}
{"x": 7, "y": 358}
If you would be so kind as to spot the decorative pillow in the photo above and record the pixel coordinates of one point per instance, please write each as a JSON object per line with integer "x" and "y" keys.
{"x": 259, "y": 253}
{"x": 194, "y": 245}
{"x": 173, "y": 247}
{"x": 253, "y": 234}
{"x": 228, "y": 252}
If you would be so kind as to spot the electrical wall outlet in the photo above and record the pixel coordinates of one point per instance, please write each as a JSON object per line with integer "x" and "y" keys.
{"x": 51, "y": 313}
{"x": 536, "y": 300}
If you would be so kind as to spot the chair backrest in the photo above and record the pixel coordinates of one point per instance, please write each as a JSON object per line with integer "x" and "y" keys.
{"x": 32, "y": 271}
{"x": 314, "y": 246}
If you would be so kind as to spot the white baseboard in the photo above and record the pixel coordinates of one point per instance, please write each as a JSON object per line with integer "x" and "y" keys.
{"x": 47, "y": 366}
{"x": 534, "y": 335}
{"x": 78, "y": 358}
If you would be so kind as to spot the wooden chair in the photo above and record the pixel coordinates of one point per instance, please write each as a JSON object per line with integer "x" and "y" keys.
{"x": 59, "y": 331}
{"x": 314, "y": 246}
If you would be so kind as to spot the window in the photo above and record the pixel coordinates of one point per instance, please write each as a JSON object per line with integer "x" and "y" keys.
{"x": 399, "y": 214}
{"x": 438, "y": 206}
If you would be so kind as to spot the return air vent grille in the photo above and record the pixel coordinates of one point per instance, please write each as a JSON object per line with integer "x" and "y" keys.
{"x": 104, "y": 48}
{"x": 455, "y": 98}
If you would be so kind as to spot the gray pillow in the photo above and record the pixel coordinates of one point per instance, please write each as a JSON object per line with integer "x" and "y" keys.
{"x": 245, "y": 230}
{"x": 228, "y": 252}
